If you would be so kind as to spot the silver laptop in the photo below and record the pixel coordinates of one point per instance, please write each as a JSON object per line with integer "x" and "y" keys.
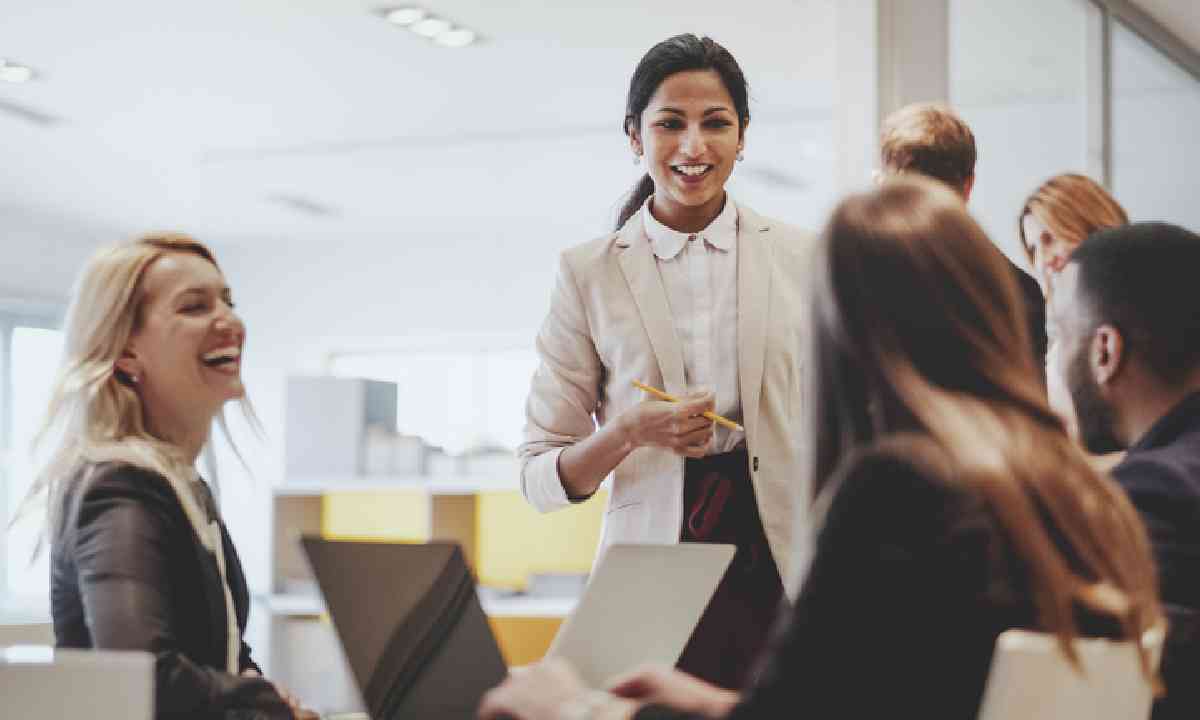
{"x": 419, "y": 645}
{"x": 42, "y": 682}
{"x": 640, "y": 606}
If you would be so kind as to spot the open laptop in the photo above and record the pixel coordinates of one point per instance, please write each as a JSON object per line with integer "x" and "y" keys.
{"x": 640, "y": 606}
{"x": 43, "y": 682}
{"x": 419, "y": 645}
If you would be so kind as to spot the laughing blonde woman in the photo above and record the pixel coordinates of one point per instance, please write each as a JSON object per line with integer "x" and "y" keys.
{"x": 140, "y": 559}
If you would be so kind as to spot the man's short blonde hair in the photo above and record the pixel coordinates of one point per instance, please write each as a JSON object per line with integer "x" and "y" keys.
{"x": 929, "y": 139}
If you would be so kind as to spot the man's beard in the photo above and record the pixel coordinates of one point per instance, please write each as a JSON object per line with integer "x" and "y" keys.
{"x": 1095, "y": 416}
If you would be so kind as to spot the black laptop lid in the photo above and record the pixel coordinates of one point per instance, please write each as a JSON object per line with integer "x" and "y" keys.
{"x": 410, "y": 625}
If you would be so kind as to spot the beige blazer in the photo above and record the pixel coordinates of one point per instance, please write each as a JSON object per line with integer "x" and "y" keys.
{"x": 609, "y": 324}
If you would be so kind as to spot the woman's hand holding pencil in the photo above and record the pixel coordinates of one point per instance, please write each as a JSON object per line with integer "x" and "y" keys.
{"x": 723, "y": 421}
{"x": 683, "y": 425}
{"x": 679, "y": 426}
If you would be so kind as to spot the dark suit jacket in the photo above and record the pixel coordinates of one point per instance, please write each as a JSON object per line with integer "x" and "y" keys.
{"x": 911, "y": 583}
{"x": 1161, "y": 474}
{"x": 1034, "y": 316}
{"x": 128, "y": 572}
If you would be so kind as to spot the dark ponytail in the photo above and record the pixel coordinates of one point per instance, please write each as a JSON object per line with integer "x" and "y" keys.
{"x": 635, "y": 199}
{"x": 677, "y": 54}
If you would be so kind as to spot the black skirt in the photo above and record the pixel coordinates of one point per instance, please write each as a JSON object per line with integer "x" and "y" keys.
{"x": 719, "y": 506}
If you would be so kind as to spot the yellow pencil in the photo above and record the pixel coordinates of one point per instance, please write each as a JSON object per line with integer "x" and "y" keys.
{"x": 671, "y": 398}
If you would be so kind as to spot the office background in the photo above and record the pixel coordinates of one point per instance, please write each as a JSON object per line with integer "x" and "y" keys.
{"x": 387, "y": 207}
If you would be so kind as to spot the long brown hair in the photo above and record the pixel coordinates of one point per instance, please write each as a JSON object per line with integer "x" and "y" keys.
{"x": 1072, "y": 207}
{"x": 918, "y": 329}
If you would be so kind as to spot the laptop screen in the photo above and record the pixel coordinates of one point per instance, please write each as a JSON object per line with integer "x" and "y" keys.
{"x": 410, "y": 624}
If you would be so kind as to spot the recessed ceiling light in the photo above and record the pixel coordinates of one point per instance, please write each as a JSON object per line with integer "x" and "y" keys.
{"x": 456, "y": 38}
{"x": 430, "y": 27}
{"x": 14, "y": 72}
{"x": 405, "y": 16}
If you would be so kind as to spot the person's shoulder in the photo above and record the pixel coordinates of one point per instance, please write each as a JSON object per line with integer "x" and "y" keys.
{"x": 584, "y": 259}
{"x": 902, "y": 492}
{"x": 598, "y": 261}
{"x": 1162, "y": 471}
{"x": 587, "y": 261}
{"x": 909, "y": 462}
{"x": 785, "y": 233}
{"x": 116, "y": 494}
{"x": 906, "y": 471}
{"x": 110, "y": 481}
{"x": 791, "y": 244}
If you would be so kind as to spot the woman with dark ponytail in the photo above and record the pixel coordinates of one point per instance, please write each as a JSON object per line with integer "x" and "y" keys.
{"x": 702, "y": 297}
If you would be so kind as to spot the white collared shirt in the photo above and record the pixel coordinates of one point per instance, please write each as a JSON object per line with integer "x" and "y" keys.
{"x": 699, "y": 274}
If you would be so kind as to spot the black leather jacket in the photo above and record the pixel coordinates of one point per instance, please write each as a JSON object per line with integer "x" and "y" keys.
{"x": 129, "y": 573}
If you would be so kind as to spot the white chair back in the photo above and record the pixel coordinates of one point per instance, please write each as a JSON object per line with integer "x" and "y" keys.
{"x": 1031, "y": 679}
{"x": 41, "y": 682}
{"x": 27, "y": 634}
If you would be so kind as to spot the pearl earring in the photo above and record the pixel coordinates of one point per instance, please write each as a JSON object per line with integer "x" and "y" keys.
{"x": 637, "y": 159}
{"x": 740, "y": 156}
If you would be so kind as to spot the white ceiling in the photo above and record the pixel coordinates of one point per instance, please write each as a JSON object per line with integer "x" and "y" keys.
{"x": 228, "y": 118}
{"x": 219, "y": 117}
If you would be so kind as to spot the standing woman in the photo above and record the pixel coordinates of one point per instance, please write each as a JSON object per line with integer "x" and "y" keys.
{"x": 692, "y": 292}
{"x": 1056, "y": 218}
{"x": 140, "y": 559}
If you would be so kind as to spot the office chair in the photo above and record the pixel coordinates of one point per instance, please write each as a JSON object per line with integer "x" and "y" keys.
{"x": 1031, "y": 679}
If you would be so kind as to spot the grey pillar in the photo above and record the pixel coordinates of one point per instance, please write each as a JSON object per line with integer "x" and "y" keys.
{"x": 914, "y": 53}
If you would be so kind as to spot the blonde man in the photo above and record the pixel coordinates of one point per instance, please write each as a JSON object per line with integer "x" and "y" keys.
{"x": 930, "y": 139}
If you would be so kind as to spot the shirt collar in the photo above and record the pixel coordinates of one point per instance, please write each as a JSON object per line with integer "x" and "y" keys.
{"x": 721, "y": 233}
{"x": 1184, "y": 417}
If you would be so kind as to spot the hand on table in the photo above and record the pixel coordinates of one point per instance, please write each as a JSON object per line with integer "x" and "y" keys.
{"x": 545, "y": 691}
{"x": 673, "y": 688}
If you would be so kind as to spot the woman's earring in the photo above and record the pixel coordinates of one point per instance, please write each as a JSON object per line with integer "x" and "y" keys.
{"x": 741, "y": 156}
{"x": 637, "y": 159}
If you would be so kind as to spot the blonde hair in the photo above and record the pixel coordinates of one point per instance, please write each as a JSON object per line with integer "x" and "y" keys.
{"x": 94, "y": 410}
{"x": 1071, "y": 207}
{"x": 928, "y": 139}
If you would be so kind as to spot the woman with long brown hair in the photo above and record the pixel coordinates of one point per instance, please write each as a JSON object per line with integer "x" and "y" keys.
{"x": 1055, "y": 219}
{"x": 1058, "y": 216}
{"x": 953, "y": 504}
